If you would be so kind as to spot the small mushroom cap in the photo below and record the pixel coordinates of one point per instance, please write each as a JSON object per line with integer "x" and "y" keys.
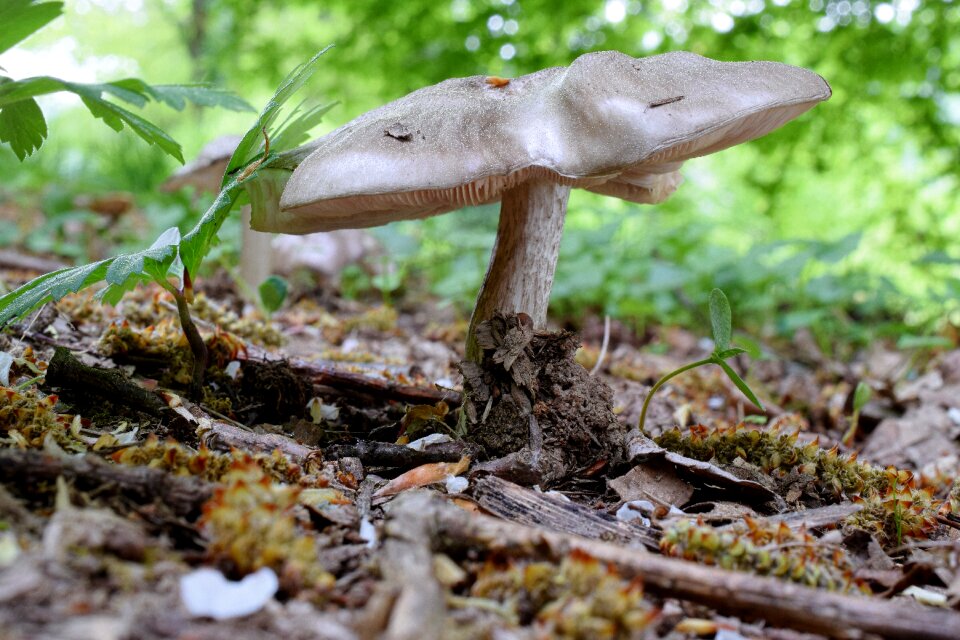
{"x": 610, "y": 123}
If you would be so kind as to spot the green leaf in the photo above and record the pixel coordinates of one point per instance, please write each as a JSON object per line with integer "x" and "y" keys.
{"x": 720, "y": 320}
{"x": 116, "y": 117}
{"x": 295, "y": 129}
{"x": 861, "y": 396}
{"x": 737, "y": 380}
{"x": 23, "y": 127}
{"x": 252, "y": 142}
{"x": 196, "y": 243}
{"x": 49, "y": 287}
{"x": 22, "y": 18}
{"x": 273, "y": 291}
{"x": 204, "y": 95}
{"x": 130, "y": 269}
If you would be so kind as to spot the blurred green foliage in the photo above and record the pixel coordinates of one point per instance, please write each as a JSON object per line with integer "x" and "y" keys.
{"x": 843, "y": 221}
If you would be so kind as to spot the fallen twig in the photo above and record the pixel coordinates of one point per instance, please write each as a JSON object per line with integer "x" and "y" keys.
{"x": 67, "y": 372}
{"x": 778, "y": 602}
{"x": 28, "y": 470}
{"x": 387, "y": 454}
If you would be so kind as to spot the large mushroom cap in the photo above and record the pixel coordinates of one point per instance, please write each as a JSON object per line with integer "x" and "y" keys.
{"x": 609, "y": 123}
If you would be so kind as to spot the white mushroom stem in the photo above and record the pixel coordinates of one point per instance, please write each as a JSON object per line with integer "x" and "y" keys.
{"x": 524, "y": 258}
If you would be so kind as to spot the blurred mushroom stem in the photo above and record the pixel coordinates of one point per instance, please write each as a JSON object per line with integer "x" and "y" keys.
{"x": 524, "y": 258}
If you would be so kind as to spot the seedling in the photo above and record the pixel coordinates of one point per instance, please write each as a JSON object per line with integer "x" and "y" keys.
{"x": 172, "y": 257}
{"x": 861, "y": 396}
{"x": 721, "y": 323}
{"x": 273, "y": 291}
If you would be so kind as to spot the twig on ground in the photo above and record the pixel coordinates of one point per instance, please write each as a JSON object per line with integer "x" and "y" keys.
{"x": 778, "y": 602}
{"x": 27, "y": 470}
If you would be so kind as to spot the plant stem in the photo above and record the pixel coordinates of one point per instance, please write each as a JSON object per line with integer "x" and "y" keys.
{"x": 663, "y": 380}
{"x": 194, "y": 339}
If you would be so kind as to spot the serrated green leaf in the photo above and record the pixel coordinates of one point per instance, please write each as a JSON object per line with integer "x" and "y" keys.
{"x": 116, "y": 117}
{"x": 152, "y": 263}
{"x": 295, "y": 130}
{"x": 738, "y": 381}
{"x": 49, "y": 287}
{"x": 196, "y": 243}
{"x": 22, "y": 18}
{"x": 177, "y": 95}
{"x": 252, "y": 142}
{"x": 23, "y": 127}
{"x": 273, "y": 291}
{"x": 861, "y": 396}
{"x": 720, "y": 320}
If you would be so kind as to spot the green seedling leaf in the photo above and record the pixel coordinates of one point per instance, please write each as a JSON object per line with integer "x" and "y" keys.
{"x": 252, "y": 143}
{"x": 861, "y": 396}
{"x": 295, "y": 130}
{"x": 737, "y": 380}
{"x": 22, "y": 18}
{"x": 50, "y": 288}
{"x": 197, "y": 242}
{"x": 720, "y": 320}
{"x": 130, "y": 269}
{"x": 273, "y": 291}
{"x": 23, "y": 127}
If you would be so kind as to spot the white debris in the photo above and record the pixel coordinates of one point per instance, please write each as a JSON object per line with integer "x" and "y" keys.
{"x": 232, "y": 369}
{"x": 425, "y": 441}
{"x": 634, "y": 510}
{"x": 206, "y": 592}
{"x": 368, "y": 532}
{"x": 456, "y": 484}
{"x": 6, "y": 361}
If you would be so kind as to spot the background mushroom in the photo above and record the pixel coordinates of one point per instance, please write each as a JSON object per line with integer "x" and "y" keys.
{"x": 609, "y": 123}
{"x": 261, "y": 254}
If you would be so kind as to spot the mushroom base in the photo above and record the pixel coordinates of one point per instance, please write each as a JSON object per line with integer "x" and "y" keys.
{"x": 532, "y": 406}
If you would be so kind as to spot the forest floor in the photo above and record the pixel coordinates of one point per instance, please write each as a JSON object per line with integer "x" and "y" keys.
{"x": 327, "y": 464}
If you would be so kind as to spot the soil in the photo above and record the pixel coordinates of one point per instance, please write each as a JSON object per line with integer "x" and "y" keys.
{"x": 340, "y": 460}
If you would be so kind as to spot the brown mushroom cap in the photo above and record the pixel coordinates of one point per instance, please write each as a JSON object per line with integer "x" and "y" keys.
{"x": 609, "y": 123}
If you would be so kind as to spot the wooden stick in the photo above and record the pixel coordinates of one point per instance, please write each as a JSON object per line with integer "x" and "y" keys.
{"x": 28, "y": 470}
{"x": 780, "y": 603}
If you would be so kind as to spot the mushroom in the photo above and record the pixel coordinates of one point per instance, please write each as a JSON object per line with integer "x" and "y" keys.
{"x": 608, "y": 123}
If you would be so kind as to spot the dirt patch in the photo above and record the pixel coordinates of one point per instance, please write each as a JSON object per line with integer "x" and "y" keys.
{"x": 529, "y": 397}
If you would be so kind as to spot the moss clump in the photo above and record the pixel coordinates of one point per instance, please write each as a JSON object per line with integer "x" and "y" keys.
{"x": 251, "y": 523}
{"x": 764, "y": 549}
{"x": 203, "y": 463}
{"x": 580, "y": 598}
{"x": 894, "y": 506}
{"x": 28, "y": 418}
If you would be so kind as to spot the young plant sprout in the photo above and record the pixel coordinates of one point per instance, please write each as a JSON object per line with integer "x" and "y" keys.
{"x": 861, "y": 396}
{"x": 721, "y": 322}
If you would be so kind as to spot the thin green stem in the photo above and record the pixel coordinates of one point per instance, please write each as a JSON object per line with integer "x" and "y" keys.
{"x": 662, "y": 381}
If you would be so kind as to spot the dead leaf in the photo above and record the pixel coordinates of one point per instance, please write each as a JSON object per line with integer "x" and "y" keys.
{"x": 422, "y": 476}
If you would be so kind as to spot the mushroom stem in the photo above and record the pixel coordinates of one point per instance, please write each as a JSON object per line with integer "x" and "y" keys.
{"x": 524, "y": 258}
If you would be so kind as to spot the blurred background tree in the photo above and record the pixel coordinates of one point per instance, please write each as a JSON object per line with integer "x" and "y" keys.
{"x": 843, "y": 222}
